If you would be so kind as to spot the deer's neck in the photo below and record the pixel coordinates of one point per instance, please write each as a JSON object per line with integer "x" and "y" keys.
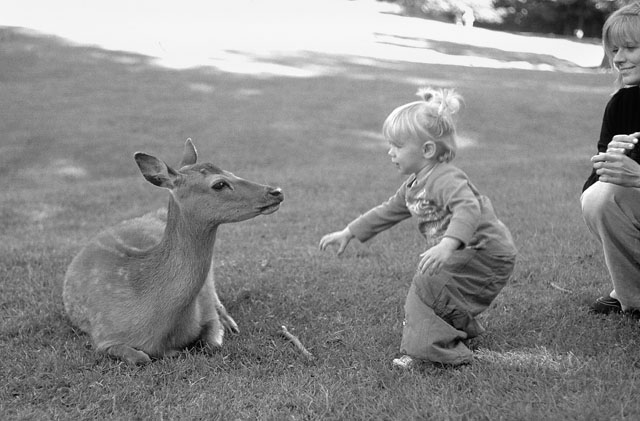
{"x": 182, "y": 259}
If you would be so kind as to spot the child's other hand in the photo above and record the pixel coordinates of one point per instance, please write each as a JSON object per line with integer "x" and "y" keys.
{"x": 433, "y": 259}
{"x": 341, "y": 238}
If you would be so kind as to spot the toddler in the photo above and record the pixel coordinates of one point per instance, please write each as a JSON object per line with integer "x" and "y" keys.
{"x": 469, "y": 254}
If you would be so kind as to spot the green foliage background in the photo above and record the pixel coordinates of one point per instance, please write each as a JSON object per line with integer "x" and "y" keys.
{"x": 561, "y": 17}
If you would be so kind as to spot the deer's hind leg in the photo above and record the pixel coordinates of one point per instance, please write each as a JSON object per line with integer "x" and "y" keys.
{"x": 128, "y": 354}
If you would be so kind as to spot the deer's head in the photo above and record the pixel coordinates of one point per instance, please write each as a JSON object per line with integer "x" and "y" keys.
{"x": 207, "y": 194}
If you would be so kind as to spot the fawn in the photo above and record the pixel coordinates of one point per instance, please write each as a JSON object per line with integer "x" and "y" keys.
{"x": 144, "y": 288}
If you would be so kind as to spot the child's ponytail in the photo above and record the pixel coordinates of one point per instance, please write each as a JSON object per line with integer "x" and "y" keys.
{"x": 442, "y": 104}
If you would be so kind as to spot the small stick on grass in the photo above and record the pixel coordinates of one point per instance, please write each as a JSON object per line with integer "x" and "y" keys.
{"x": 559, "y": 288}
{"x": 291, "y": 337}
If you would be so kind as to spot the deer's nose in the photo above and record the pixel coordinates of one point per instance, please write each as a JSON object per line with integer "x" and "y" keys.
{"x": 276, "y": 193}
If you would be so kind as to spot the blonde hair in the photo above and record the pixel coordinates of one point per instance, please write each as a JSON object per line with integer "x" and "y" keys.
{"x": 620, "y": 28}
{"x": 430, "y": 119}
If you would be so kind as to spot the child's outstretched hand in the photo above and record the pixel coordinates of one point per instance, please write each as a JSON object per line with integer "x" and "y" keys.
{"x": 341, "y": 238}
{"x": 433, "y": 259}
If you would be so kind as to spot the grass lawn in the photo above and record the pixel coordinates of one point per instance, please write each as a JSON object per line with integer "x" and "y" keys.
{"x": 71, "y": 118}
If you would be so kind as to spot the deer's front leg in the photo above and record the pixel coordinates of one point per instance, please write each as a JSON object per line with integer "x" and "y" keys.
{"x": 212, "y": 328}
{"x": 227, "y": 321}
{"x": 214, "y": 317}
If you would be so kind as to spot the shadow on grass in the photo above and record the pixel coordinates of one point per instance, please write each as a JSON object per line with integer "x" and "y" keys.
{"x": 537, "y": 61}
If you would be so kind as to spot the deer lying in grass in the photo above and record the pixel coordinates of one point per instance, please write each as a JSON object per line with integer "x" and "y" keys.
{"x": 145, "y": 288}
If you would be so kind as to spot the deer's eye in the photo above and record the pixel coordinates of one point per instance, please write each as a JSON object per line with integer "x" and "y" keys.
{"x": 220, "y": 185}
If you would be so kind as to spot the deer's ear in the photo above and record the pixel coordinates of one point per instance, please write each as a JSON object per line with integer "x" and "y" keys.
{"x": 190, "y": 155}
{"x": 155, "y": 171}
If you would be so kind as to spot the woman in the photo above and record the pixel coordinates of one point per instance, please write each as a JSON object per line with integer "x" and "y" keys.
{"x": 611, "y": 195}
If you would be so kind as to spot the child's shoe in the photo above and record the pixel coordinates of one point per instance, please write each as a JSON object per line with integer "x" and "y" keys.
{"x": 404, "y": 362}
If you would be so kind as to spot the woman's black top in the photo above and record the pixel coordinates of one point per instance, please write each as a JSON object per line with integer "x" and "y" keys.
{"x": 621, "y": 116}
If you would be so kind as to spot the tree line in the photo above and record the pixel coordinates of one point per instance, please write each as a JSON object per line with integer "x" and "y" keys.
{"x": 560, "y": 17}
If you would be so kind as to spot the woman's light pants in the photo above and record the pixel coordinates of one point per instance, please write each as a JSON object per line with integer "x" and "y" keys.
{"x": 612, "y": 214}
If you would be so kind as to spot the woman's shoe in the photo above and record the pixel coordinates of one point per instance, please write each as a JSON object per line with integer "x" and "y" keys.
{"x": 606, "y": 305}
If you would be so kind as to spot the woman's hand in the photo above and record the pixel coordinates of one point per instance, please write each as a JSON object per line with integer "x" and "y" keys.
{"x": 433, "y": 259}
{"x": 341, "y": 238}
{"x": 622, "y": 143}
{"x": 614, "y": 166}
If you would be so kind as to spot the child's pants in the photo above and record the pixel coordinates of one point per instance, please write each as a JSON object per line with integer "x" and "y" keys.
{"x": 441, "y": 310}
{"x": 612, "y": 214}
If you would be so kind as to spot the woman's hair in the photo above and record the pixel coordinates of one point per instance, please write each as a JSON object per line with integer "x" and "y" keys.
{"x": 621, "y": 28}
{"x": 430, "y": 119}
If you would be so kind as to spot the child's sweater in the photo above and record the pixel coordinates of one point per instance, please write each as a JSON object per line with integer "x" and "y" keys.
{"x": 445, "y": 203}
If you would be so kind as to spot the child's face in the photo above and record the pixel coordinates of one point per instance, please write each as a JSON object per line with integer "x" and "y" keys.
{"x": 408, "y": 158}
{"x": 627, "y": 60}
